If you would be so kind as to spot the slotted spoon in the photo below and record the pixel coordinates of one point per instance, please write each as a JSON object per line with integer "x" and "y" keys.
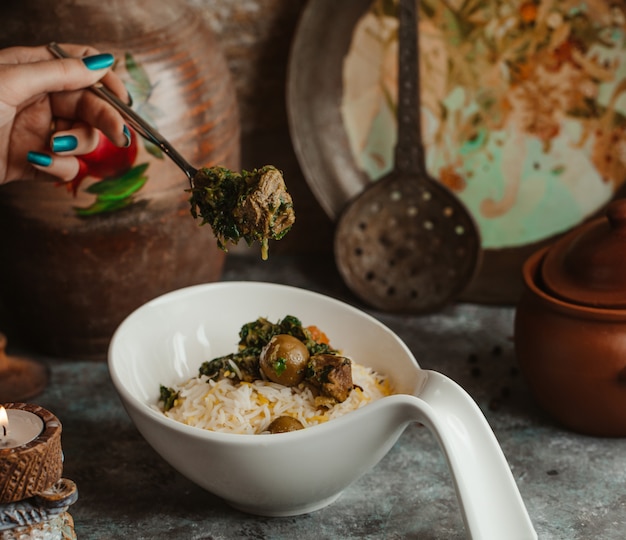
{"x": 407, "y": 244}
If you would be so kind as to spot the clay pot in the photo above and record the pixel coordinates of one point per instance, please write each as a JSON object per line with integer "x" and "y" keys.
{"x": 75, "y": 264}
{"x": 570, "y": 326}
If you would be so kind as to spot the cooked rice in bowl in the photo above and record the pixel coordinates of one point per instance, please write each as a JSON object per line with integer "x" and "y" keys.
{"x": 249, "y": 407}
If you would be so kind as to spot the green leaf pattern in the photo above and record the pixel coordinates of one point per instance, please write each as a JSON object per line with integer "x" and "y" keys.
{"x": 116, "y": 193}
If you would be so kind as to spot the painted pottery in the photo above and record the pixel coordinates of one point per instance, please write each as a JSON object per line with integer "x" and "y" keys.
{"x": 570, "y": 326}
{"x": 76, "y": 260}
{"x": 522, "y": 104}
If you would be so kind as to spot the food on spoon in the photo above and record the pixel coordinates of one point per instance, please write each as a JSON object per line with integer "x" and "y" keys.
{"x": 233, "y": 393}
{"x": 253, "y": 205}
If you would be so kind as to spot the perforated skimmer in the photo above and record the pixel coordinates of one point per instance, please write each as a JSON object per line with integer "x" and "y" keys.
{"x": 407, "y": 244}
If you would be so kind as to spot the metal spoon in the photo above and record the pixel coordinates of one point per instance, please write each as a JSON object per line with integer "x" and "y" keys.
{"x": 263, "y": 208}
{"x": 134, "y": 120}
{"x": 407, "y": 244}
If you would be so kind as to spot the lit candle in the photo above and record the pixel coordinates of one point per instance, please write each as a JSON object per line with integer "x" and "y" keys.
{"x": 18, "y": 427}
{"x": 31, "y": 458}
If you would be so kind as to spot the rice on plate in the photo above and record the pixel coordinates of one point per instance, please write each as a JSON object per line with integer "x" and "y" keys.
{"x": 241, "y": 393}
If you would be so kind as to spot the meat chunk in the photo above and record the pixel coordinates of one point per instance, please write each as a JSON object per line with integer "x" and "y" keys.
{"x": 253, "y": 205}
{"x": 331, "y": 374}
{"x": 267, "y": 211}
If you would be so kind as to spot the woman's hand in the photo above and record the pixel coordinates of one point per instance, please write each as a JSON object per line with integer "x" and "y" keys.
{"x": 47, "y": 115}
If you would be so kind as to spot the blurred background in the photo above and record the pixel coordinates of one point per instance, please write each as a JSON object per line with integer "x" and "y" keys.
{"x": 255, "y": 36}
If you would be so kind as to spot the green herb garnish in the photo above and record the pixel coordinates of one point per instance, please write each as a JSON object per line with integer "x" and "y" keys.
{"x": 251, "y": 205}
{"x": 279, "y": 366}
{"x": 253, "y": 336}
{"x": 168, "y": 397}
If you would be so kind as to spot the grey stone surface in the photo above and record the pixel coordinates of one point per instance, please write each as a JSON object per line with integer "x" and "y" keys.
{"x": 573, "y": 485}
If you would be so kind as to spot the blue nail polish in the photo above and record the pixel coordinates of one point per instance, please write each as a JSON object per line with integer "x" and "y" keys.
{"x": 37, "y": 158}
{"x": 99, "y": 61}
{"x": 126, "y": 132}
{"x": 64, "y": 143}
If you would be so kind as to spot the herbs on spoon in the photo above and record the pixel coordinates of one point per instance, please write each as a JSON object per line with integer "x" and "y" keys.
{"x": 250, "y": 205}
{"x": 253, "y": 205}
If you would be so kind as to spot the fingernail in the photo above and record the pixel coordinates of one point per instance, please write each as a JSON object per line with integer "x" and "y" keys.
{"x": 126, "y": 132}
{"x": 99, "y": 61}
{"x": 37, "y": 158}
{"x": 64, "y": 143}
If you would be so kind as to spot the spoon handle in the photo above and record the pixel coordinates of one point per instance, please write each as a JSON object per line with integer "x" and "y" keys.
{"x": 409, "y": 151}
{"x": 491, "y": 503}
{"x": 139, "y": 124}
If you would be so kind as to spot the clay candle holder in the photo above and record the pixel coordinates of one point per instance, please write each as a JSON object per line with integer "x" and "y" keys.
{"x": 33, "y": 496}
{"x": 31, "y": 458}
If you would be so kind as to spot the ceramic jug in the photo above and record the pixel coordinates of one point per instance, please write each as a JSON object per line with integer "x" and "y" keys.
{"x": 76, "y": 260}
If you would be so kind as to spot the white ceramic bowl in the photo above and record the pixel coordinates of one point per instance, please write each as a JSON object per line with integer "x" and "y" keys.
{"x": 166, "y": 340}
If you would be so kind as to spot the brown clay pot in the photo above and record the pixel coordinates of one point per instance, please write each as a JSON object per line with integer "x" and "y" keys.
{"x": 74, "y": 265}
{"x": 572, "y": 352}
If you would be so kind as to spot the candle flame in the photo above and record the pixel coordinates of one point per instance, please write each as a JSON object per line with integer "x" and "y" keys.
{"x": 4, "y": 421}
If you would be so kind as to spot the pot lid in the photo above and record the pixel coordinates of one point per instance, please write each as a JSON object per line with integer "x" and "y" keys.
{"x": 588, "y": 266}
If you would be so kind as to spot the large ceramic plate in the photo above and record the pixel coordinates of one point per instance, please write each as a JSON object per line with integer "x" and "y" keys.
{"x": 523, "y": 106}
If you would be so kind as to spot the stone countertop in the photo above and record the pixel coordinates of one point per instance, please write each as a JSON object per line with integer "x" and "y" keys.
{"x": 573, "y": 485}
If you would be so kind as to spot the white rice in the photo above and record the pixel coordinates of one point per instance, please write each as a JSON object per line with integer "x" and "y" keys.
{"x": 249, "y": 408}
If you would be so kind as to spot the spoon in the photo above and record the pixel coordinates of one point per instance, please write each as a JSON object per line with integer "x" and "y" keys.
{"x": 253, "y": 205}
{"x": 407, "y": 244}
{"x": 136, "y": 122}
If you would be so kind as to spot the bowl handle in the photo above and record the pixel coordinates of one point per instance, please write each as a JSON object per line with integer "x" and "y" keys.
{"x": 491, "y": 503}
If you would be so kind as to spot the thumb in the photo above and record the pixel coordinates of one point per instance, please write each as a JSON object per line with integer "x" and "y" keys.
{"x": 20, "y": 82}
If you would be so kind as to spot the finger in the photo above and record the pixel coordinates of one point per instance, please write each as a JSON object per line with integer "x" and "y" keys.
{"x": 115, "y": 84}
{"x": 26, "y": 70}
{"x": 22, "y": 82}
{"x": 80, "y": 139}
{"x": 56, "y": 75}
{"x": 25, "y": 55}
{"x": 111, "y": 80}
{"x": 61, "y": 124}
{"x": 90, "y": 109}
{"x": 65, "y": 168}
